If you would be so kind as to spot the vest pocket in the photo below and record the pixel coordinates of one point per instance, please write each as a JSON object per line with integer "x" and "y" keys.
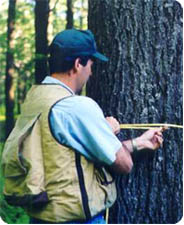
{"x": 103, "y": 177}
{"x": 13, "y": 162}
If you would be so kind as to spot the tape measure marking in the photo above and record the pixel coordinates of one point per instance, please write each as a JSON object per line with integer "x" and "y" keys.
{"x": 145, "y": 126}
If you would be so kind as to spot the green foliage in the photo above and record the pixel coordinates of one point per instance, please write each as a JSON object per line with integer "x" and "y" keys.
{"x": 80, "y": 14}
{"x": 23, "y": 49}
{"x": 12, "y": 215}
{"x": 3, "y": 46}
{"x": 2, "y": 110}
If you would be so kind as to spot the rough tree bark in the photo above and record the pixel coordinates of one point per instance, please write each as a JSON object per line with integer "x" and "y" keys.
{"x": 142, "y": 83}
{"x": 69, "y": 14}
{"x": 41, "y": 41}
{"x": 9, "y": 88}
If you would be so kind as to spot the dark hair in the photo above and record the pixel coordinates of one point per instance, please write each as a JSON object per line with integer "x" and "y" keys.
{"x": 58, "y": 64}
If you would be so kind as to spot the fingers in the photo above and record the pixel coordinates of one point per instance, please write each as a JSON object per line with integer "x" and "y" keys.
{"x": 158, "y": 131}
{"x": 159, "y": 139}
{"x": 114, "y": 124}
{"x": 159, "y": 134}
{"x": 161, "y": 129}
{"x": 165, "y": 128}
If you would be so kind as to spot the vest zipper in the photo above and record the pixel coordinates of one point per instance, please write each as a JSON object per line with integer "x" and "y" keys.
{"x": 82, "y": 186}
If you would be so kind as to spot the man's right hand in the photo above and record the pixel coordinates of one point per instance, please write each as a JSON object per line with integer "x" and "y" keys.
{"x": 114, "y": 124}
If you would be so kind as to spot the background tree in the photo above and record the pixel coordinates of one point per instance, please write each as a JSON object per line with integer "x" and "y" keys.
{"x": 24, "y": 50}
{"x": 142, "y": 83}
{"x": 81, "y": 16}
{"x": 41, "y": 41}
{"x": 69, "y": 14}
{"x": 9, "y": 87}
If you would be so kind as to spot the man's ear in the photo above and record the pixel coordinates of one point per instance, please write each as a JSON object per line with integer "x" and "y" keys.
{"x": 77, "y": 64}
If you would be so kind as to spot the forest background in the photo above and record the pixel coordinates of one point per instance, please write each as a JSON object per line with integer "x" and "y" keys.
{"x": 14, "y": 84}
{"x": 141, "y": 84}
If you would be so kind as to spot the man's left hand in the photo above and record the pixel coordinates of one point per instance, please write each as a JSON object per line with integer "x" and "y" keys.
{"x": 151, "y": 139}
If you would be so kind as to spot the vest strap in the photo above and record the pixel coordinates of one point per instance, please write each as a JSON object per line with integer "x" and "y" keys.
{"x": 82, "y": 186}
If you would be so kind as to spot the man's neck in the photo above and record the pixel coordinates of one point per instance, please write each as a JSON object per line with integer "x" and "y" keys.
{"x": 66, "y": 79}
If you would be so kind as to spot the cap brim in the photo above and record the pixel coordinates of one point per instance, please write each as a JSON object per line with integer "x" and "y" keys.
{"x": 100, "y": 56}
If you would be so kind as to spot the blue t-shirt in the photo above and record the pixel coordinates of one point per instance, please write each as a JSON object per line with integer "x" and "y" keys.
{"x": 78, "y": 122}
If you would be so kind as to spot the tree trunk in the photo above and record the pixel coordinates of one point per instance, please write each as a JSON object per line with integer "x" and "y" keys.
{"x": 69, "y": 14}
{"x": 9, "y": 88}
{"x": 41, "y": 42}
{"x": 142, "y": 83}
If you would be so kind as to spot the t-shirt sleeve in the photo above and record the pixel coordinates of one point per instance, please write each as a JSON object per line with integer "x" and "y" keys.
{"x": 78, "y": 122}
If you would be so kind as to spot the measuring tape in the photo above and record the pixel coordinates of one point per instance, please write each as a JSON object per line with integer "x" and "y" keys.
{"x": 146, "y": 126}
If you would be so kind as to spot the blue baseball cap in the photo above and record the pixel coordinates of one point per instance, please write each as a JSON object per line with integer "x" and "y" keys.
{"x": 75, "y": 43}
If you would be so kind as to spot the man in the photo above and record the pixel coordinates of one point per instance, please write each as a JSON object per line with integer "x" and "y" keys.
{"x": 66, "y": 149}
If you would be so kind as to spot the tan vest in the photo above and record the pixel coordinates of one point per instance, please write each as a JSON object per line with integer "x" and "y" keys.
{"x": 34, "y": 164}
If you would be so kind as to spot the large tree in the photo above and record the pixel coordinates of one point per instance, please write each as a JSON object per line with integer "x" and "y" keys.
{"x": 142, "y": 83}
{"x": 9, "y": 87}
{"x": 41, "y": 42}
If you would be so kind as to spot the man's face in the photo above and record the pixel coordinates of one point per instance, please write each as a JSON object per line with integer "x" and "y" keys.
{"x": 83, "y": 75}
